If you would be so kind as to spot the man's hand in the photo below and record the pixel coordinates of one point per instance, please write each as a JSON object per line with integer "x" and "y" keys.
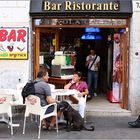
{"x": 50, "y": 99}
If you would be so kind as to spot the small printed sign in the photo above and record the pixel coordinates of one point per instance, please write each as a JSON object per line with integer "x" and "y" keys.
{"x": 14, "y": 43}
{"x": 136, "y": 6}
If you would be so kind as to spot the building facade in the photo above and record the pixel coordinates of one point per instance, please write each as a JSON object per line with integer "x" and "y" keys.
{"x": 134, "y": 59}
{"x": 17, "y": 16}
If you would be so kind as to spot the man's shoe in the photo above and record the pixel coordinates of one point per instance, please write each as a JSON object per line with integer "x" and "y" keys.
{"x": 138, "y": 119}
{"x": 134, "y": 124}
{"x": 95, "y": 94}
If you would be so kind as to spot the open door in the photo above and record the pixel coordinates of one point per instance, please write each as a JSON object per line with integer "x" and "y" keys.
{"x": 124, "y": 70}
{"x": 119, "y": 93}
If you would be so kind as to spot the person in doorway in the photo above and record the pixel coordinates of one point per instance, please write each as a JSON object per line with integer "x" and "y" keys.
{"x": 43, "y": 91}
{"x": 136, "y": 123}
{"x": 93, "y": 64}
{"x": 82, "y": 88}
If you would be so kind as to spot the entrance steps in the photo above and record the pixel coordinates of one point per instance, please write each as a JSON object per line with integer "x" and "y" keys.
{"x": 100, "y": 106}
{"x": 102, "y": 112}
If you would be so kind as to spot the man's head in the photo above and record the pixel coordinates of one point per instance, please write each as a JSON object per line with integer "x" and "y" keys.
{"x": 92, "y": 52}
{"x": 43, "y": 74}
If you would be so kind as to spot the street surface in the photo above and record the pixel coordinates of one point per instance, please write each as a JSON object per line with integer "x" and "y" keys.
{"x": 106, "y": 128}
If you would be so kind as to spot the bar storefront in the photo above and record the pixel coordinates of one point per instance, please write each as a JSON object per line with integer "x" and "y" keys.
{"x": 64, "y": 30}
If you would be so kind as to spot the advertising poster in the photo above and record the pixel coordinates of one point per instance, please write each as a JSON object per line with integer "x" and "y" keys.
{"x": 13, "y": 43}
{"x": 116, "y": 93}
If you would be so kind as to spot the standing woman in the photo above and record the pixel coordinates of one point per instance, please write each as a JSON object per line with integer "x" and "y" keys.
{"x": 82, "y": 88}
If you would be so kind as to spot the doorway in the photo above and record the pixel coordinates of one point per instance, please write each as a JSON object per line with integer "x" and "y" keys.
{"x": 51, "y": 39}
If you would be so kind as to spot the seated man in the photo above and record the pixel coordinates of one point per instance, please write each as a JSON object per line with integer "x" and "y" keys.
{"x": 44, "y": 93}
{"x": 82, "y": 89}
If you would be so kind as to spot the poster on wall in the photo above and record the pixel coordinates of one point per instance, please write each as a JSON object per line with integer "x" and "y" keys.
{"x": 13, "y": 43}
{"x": 117, "y": 83}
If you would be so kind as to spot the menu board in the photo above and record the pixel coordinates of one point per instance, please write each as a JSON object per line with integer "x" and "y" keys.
{"x": 13, "y": 43}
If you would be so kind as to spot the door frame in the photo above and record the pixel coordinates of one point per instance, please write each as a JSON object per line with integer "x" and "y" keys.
{"x": 124, "y": 55}
{"x": 36, "y": 50}
{"x": 36, "y": 47}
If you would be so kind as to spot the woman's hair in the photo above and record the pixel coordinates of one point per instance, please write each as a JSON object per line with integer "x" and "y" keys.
{"x": 41, "y": 73}
{"x": 79, "y": 74}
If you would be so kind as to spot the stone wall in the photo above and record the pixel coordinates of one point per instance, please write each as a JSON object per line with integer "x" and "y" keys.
{"x": 134, "y": 60}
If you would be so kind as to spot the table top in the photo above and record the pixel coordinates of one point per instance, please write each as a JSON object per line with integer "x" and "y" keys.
{"x": 59, "y": 78}
{"x": 63, "y": 92}
{"x": 16, "y": 94}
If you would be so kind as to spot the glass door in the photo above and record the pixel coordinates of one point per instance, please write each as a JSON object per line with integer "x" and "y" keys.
{"x": 46, "y": 43}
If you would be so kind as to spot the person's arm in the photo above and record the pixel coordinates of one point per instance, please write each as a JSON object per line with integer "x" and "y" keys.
{"x": 85, "y": 92}
{"x": 88, "y": 60}
{"x": 67, "y": 86}
{"x": 50, "y": 99}
{"x": 47, "y": 91}
{"x": 98, "y": 63}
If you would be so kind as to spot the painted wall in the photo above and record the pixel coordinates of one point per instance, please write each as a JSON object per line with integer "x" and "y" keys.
{"x": 134, "y": 60}
{"x": 15, "y": 14}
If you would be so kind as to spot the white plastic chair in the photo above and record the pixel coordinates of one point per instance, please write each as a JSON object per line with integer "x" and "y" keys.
{"x": 5, "y": 107}
{"x": 52, "y": 87}
{"x": 20, "y": 86}
{"x": 18, "y": 97}
{"x": 33, "y": 107}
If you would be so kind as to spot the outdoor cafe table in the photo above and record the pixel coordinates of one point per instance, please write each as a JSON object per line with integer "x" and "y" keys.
{"x": 16, "y": 101}
{"x": 62, "y": 93}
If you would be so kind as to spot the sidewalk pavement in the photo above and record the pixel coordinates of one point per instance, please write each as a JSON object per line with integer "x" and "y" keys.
{"x": 106, "y": 128}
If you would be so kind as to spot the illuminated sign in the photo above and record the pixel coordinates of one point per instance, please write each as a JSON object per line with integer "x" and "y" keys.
{"x": 13, "y": 43}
